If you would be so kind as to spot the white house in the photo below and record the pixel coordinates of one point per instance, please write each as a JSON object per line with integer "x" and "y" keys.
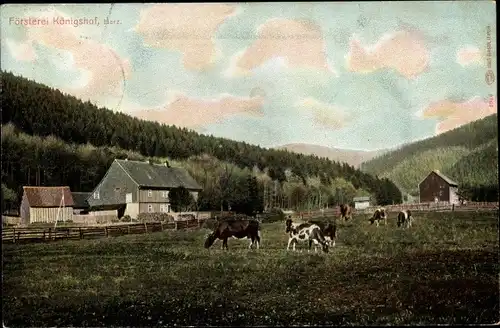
{"x": 361, "y": 202}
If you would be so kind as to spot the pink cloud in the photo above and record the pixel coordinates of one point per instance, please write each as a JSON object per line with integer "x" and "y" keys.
{"x": 405, "y": 51}
{"x": 469, "y": 55}
{"x": 21, "y": 51}
{"x": 104, "y": 68}
{"x": 455, "y": 114}
{"x": 187, "y": 28}
{"x": 196, "y": 112}
{"x": 298, "y": 43}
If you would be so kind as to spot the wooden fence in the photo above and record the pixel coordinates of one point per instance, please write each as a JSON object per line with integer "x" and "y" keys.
{"x": 34, "y": 234}
{"x": 417, "y": 207}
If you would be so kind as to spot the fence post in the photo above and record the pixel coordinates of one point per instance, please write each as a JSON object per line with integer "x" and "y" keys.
{"x": 50, "y": 233}
{"x": 14, "y": 235}
{"x": 80, "y": 230}
{"x": 176, "y": 228}
{"x": 128, "y": 229}
{"x": 106, "y": 231}
{"x": 161, "y": 225}
{"x": 43, "y": 234}
{"x": 145, "y": 227}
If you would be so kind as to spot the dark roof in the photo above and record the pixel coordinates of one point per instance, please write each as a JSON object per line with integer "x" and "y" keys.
{"x": 48, "y": 196}
{"x": 80, "y": 199}
{"x": 157, "y": 175}
{"x": 445, "y": 178}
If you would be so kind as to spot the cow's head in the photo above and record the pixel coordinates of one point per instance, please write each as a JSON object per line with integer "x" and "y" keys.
{"x": 210, "y": 240}
{"x": 325, "y": 247}
{"x": 382, "y": 213}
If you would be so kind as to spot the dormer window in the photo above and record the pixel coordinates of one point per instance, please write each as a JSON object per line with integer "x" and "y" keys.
{"x": 150, "y": 193}
{"x": 96, "y": 194}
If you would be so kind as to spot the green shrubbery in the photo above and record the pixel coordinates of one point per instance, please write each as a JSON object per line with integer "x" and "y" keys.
{"x": 155, "y": 217}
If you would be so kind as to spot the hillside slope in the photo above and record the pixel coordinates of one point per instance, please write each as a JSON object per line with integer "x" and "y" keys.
{"x": 467, "y": 154}
{"x": 58, "y": 124}
{"x": 349, "y": 156}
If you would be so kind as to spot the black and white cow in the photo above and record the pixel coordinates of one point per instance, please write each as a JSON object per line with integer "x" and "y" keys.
{"x": 378, "y": 216}
{"x": 405, "y": 219}
{"x": 305, "y": 232}
{"x": 329, "y": 231}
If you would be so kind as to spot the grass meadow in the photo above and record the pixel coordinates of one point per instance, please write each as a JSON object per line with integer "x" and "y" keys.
{"x": 444, "y": 270}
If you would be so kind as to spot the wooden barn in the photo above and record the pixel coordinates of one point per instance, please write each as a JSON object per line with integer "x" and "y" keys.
{"x": 437, "y": 187}
{"x": 44, "y": 204}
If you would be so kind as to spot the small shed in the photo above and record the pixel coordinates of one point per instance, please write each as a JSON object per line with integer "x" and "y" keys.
{"x": 46, "y": 204}
{"x": 361, "y": 202}
{"x": 437, "y": 187}
{"x": 80, "y": 206}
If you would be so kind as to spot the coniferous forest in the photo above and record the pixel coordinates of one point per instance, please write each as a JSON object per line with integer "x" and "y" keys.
{"x": 50, "y": 138}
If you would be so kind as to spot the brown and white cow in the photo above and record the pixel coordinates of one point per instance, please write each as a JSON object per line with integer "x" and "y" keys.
{"x": 345, "y": 212}
{"x": 378, "y": 216}
{"x": 236, "y": 228}
{"x": 405, "y": 219}
{"x": 305, "y": 232}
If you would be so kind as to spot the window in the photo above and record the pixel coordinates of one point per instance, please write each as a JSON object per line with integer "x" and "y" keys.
{"x": 96, "y": 194}
{"x": 150, "y": 208}
{"x": 167, "y": 207}
{"x": 164, "y": 194}
{"x": 150, "y": 193}
{"x": 162, "y": 208}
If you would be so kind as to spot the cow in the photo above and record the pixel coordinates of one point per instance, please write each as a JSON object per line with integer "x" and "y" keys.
{"x": 305, "y": 232}
{"x": 236, "y": 228}
{"x": 378, "y": 215}
{"x": 345, "y": 212}
{"x": 405, "y": 218}
{"x": 329, "y": 231}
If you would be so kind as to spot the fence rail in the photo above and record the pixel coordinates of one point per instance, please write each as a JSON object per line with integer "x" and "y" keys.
{"x": 417, "y": 207}
{"x": 41, "y": 234}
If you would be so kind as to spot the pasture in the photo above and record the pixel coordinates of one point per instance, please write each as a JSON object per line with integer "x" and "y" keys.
{"x": 444, "y": 270}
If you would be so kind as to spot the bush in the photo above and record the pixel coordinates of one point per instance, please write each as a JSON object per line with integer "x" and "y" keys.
{"x": 155, "y": 217}
{"x": 126, "y": 218}
{"x": 186, "y": 217}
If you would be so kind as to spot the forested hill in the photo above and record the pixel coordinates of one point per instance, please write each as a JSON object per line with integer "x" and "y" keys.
{"x": 467, "y": 154}
{"x": 38, "y": 110}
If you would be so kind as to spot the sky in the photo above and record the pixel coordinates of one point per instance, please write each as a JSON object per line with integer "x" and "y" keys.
{"x": 365, "y": 76}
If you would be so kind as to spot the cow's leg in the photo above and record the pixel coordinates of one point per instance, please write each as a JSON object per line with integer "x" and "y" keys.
{"x": 224, "y": 244}
{"x": 377, "y": 223}
{"x": 310, "y": 245}
{"x": 385, "y": 221}
{"x": 289, "y": 242}
{"x": 258, "y": 239}
{"x": 252, "y": 240}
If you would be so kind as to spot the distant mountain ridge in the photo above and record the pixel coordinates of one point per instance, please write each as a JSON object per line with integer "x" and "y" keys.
{"x": 467, "y": 154}
{"x": 352, "y": 157}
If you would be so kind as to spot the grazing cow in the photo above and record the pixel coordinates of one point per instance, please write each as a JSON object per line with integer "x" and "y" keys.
{"x": 379, "y": 215}
{"x": 405, "y": 219}
{"x": 236, "y": 229}
{"x": 305, "y": 232}
{"x": 329, "y": 231}
{"x": 345, "y": 212}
